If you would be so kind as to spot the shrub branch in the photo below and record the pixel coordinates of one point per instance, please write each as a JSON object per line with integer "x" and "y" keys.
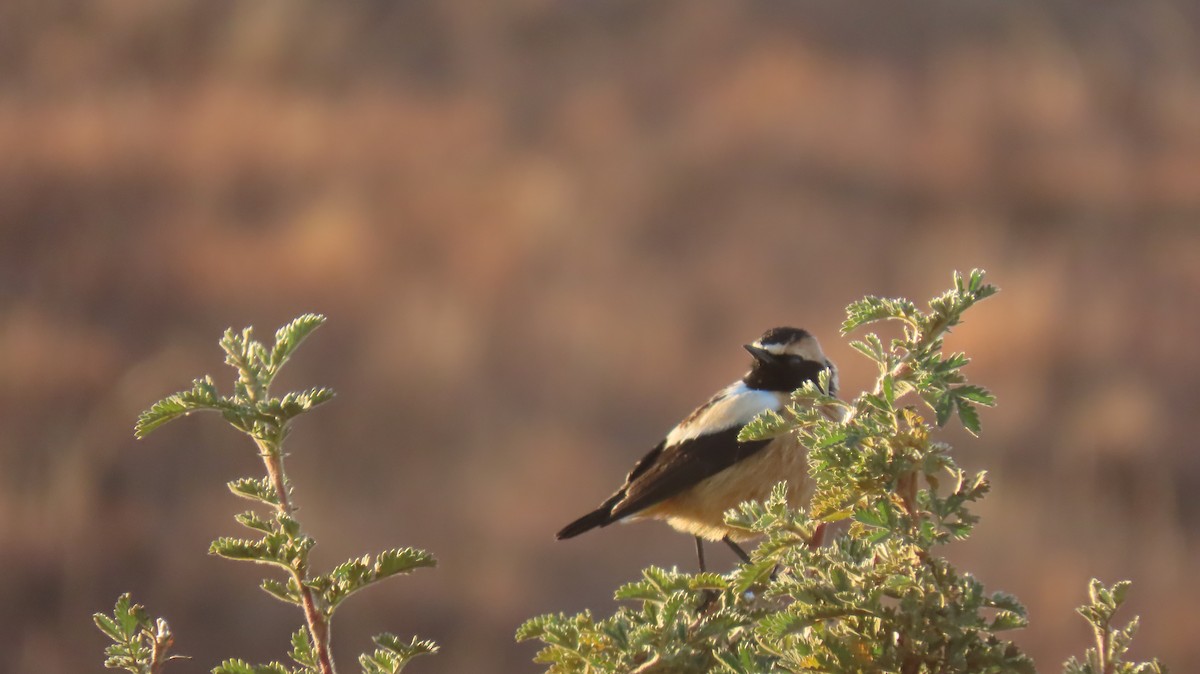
{"x": 267, "y": 421}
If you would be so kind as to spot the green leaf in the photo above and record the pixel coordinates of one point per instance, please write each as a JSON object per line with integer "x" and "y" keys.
{"x": 1008, "y": 620}
{"x": 140, "y": 645}
{"x": 255, "y": 489}
{"x": 943, "y": 406}
{"x": 959, "y": 530}
{"x": 871, "y": 309}
{"x": 410, "y": 649}
{"x": 297, "y": 402}
{"x": 766, "y": 425}
{"x": 871, "y": 347}
{"x": 239, "y": 354}
{"x": 1006, "y": 601}
{"x": 202, "y": 396}
{"x": 276, "y": 549}
{"x": 288, "y": 337}
{"x": 536, "y": 628}
{"x": 234, "y": 667}
{"x": 355, "y": 574}
{"x": 968, "y": 415}
{"x": 243, "y": 667}
{"x": 251, "y": 520}
{"x": 108, "y": 626}
{"x": 405, "y": 560}
{"x": 730, "y": 662}
{"x": 393, "y": 654}
{"x": 287, "y": 592}
{"x": 160, "y": 413}
{"x": 753, "y": 574}
{"x": 878, "y": 516}
{"x": 303, "y": 652}
{"x": 976, "y": 394}
{"x": 707, "y": 581}
{"x": 131, "y": 617}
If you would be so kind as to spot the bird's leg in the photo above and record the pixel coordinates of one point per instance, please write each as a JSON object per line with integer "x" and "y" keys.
{"x": 737, "y": 549}
{"x": 709, "y": 596}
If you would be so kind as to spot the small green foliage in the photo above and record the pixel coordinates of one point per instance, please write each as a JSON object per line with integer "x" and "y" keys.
{"x": 243, "y": 667}
{"x": 766, "y": 425}
{"x": 202, "y": 396}
{"x": 286, "y": 591}
{"x": 266, "y": 420}
{"x": 1112, "y": 643}
{"x": 393, "y": 654}
{"x": 288, "y": 338}
{"x": 250, "y": 409}
{"x": 256, "y": 489}
{"x": 878, "y": 598}
{"x": 355, "y": 574}
{"x": 140, "y": 645}
{"x": 303, "y": 652}
{"x": 275, "y": 548}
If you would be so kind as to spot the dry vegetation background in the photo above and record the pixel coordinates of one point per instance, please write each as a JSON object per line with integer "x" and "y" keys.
{"x": 541, "y": 232}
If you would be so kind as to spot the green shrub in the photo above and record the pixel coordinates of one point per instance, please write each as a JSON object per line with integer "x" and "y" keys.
{"x": 881, "y": 597}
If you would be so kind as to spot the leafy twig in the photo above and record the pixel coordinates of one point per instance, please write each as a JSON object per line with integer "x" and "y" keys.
{"x": 267, "y": 420}
{"x": 140, "y": 645}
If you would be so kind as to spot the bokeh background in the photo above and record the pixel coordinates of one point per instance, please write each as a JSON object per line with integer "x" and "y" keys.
{"x": 541, "y": 230}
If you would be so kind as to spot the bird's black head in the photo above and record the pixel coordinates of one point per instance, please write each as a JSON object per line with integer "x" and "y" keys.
{"x": 785, "y": 358}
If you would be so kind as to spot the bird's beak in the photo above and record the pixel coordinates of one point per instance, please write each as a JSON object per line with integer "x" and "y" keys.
{"x": 760, "y": 354}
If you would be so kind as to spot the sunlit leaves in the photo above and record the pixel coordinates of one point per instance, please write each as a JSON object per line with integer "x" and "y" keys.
{"x": 255, "y": 489}
{"x": 288, "y": 337}
{"x": 140, "y": 644}
{"x": 303, "y": 653}
{"x": 679, "y": 628}
{"x": 766, "y": 425}
{"x": 1112, "y": 642}
{"x": 393, "y": 654}
{"x": 275, "y": 548}
{"x": 286, "y": 591}
{"x": 250, "y": 409}
{"x": 293, "y": 404}
{"x": 871, "y": 347}
{"x": 203, "y": 396}
{"x": 243, "y": 667}
{"x": 355, "y": 574}
{"x": 870, "y": 309}
{"x": 266, "y": 419}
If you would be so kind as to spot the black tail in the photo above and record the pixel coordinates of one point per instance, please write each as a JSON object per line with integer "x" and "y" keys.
{"x": 600, "y": 517}
{"x": 596, "y": 518}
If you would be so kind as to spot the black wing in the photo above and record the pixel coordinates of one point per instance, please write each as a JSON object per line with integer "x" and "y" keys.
{"x": 663, "y": 473}
{"x": 666, "y": 471}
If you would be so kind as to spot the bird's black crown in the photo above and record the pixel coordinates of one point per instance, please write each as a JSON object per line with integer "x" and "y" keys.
{"x": 782, "y": 336}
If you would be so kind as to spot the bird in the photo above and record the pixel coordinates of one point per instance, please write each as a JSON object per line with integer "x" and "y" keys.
{"x": 700, "y": 469}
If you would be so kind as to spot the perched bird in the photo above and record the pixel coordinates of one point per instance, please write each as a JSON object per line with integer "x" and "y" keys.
{"x": 700, "y": 470}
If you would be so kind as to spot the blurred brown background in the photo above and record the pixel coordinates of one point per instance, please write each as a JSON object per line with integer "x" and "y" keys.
{"x": 541, "y": 232}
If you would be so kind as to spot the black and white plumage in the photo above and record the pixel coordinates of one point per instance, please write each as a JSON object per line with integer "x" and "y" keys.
{"x": 700, "y": 470}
